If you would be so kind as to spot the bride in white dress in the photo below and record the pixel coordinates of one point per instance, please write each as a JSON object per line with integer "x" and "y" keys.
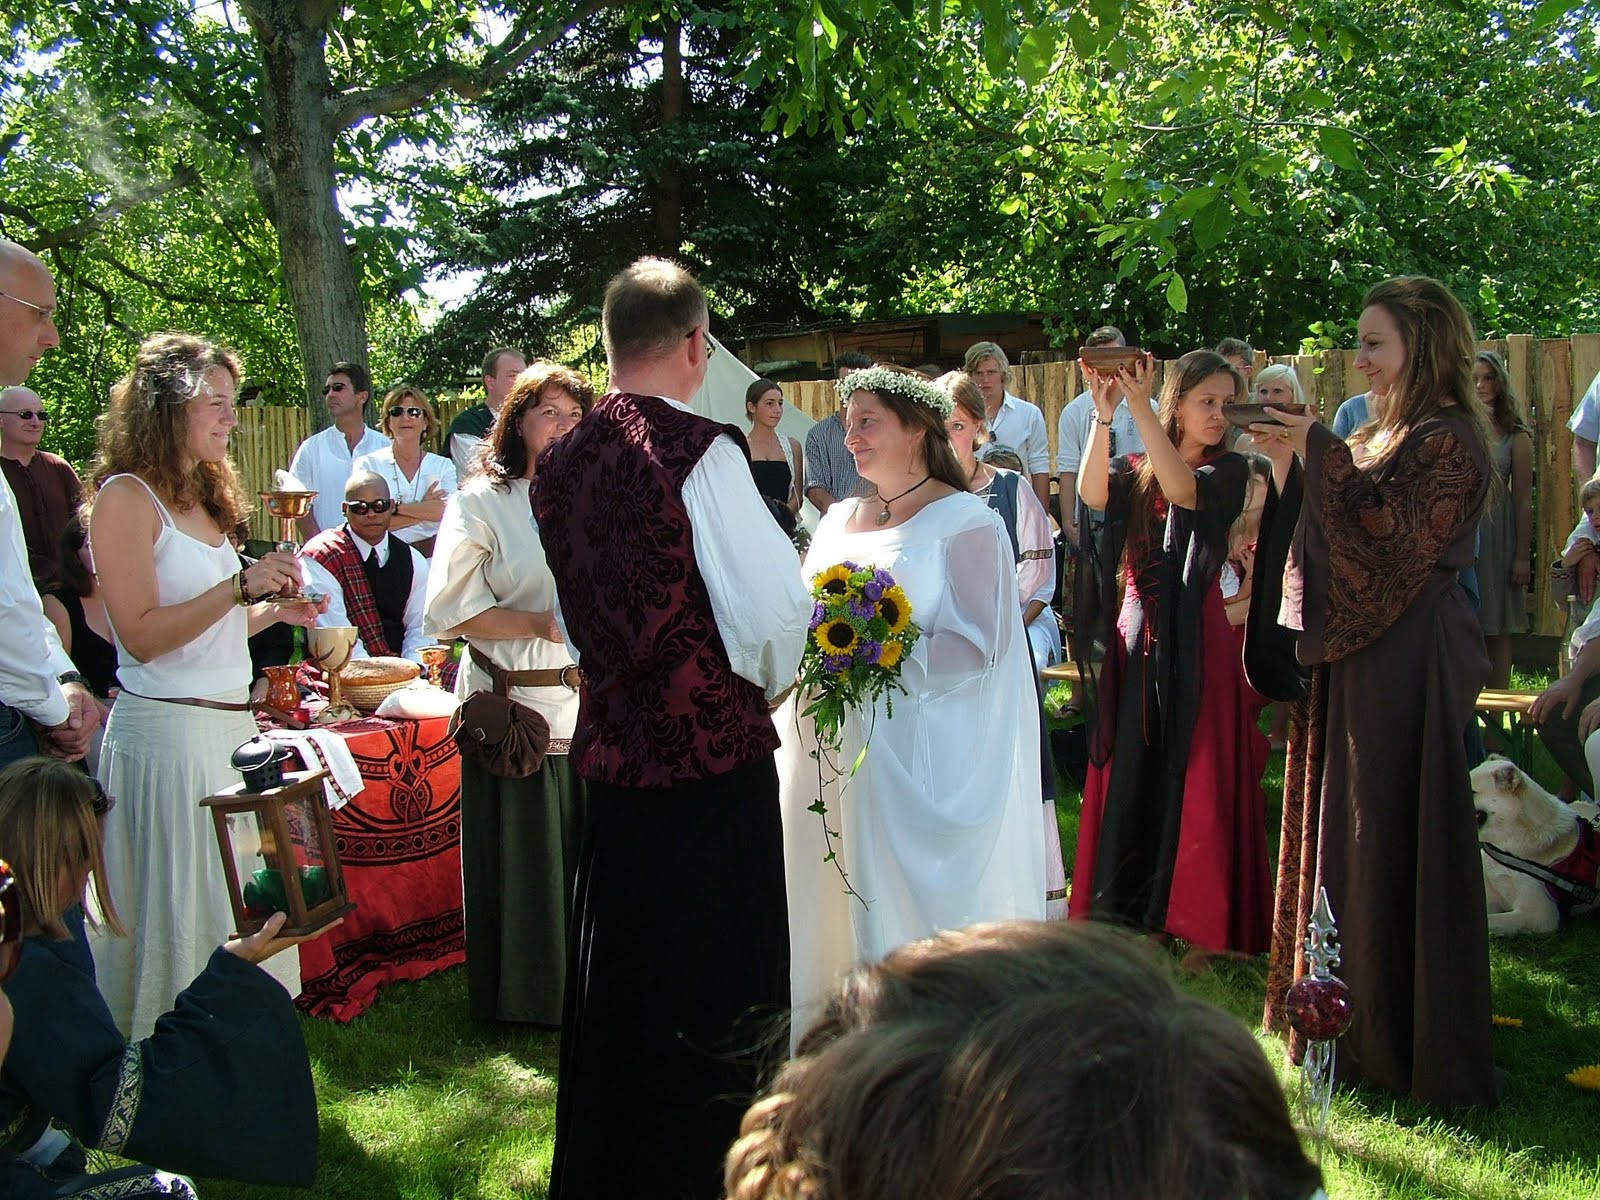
{"x": 939, "y": 824}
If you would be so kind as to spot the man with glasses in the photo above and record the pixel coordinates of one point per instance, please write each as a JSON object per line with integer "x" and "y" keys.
{"x": 373, "y": 580}
{"x": 47, "y": 489}
{"x": 325, "y": 460}
{"x": 39, "y": 688}
{"x": 682, "y": 604}
{"x": 501, "y": 366}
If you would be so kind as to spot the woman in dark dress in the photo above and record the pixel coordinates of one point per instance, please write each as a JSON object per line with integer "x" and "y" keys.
{"x": 76, "y": 609}
{"x": 1377, "y": 807}
{"x": 1173, "y": 833}
{"x": 776, "y": 461}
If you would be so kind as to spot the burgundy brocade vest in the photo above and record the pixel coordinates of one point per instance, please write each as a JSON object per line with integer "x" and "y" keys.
{"x": 660, "y": 704}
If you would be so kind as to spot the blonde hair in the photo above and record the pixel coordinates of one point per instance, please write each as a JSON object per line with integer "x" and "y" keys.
{"x": 979, "y": 351}
{"x": 47, "y": 825}
{"x": 143, "y": 431}
{"x": 1276, "y": 372}
{"x": 396, "y": 396}
{"x": 1590, "y": 491}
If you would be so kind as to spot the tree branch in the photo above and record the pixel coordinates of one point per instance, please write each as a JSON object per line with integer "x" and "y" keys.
{"x": 402, "y": 95}
{"x": 109, "y": 302}
{"x": 80, "y": 231}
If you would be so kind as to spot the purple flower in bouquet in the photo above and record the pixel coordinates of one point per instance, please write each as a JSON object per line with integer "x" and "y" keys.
{"x": 835, "y": 663}
{"x": 864, "y": 609}
{"x": 868, "y": 652}
{"x": 873, "y": 591}
{"x": 819, "y": 613}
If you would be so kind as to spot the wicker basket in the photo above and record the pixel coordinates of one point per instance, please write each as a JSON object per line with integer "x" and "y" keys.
{"x": 367, "y": 696}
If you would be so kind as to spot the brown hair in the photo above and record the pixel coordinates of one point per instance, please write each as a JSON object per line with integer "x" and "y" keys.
{"x": 504, "y": 455}
{"x": 959, "y": 387}
{"x": 1017, "y": 1060}
{"x": 47, "y": 823}
{"x": 938, "y": 458}
{"x": 491, "y": 360}
{"x": 649, "y": 308}
{"x": 757, "y": 389}
{"x": 1189, "y": 372}
{"x": 142, "y": 432}
{"x": 1508, "y": 413}
{"x": 396, "y": 396}
{"x": 1440, "y": 344}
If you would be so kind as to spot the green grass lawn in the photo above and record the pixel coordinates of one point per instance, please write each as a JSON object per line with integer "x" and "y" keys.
{"x": 420, "y": 1102}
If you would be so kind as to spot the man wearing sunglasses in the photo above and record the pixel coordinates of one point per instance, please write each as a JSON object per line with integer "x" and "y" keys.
{"x": 39, "y": 688}
{"x": 373, "y": 580}
{"x": 47, "y": 489}
{"x": 324, "y": 460}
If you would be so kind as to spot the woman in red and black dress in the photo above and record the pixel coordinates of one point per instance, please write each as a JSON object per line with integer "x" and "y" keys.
{"x": 1173, "y": 833}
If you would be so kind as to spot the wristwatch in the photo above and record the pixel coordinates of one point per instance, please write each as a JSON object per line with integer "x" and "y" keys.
{"x": 67, "y": 677}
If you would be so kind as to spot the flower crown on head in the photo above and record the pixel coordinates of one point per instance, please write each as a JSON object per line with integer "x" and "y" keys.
{"x": 907, "y": 387}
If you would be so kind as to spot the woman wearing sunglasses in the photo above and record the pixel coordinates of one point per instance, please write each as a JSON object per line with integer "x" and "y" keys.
{"x": 221, "y": 1088}
{"x": 419, "y": 481}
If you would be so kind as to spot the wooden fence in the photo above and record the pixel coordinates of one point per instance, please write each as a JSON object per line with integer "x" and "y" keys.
{"x": 1550, "y": 375}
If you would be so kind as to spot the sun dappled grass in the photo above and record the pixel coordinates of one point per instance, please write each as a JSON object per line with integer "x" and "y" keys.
{"x": 422, "y": 1103}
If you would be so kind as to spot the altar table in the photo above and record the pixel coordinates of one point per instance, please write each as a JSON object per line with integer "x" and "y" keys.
{"x": 399, "y": 841}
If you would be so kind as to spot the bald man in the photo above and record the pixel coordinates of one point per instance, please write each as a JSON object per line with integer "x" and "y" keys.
{"x": 47, "y": 489}
{"x": 44, "y": 704}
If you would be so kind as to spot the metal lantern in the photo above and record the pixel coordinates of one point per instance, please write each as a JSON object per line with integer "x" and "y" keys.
{"x": 278, "y": 854}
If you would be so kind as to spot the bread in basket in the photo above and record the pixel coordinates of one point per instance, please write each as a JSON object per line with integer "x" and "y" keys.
{"x": 366, "y": 681}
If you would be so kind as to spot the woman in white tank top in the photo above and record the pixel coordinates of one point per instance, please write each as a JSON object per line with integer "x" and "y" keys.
{"x": 180, "y": 614}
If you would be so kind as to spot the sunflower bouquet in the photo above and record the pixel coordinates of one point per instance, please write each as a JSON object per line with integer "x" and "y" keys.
{"x": 861, "y": 632}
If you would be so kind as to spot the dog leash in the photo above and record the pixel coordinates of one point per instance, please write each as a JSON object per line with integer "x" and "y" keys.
{"x": 1575, "y": 891}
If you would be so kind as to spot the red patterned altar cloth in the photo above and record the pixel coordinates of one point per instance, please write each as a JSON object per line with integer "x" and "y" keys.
{"x": 400, "y": 844}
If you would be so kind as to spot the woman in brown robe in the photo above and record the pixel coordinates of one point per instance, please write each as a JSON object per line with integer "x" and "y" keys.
{"x": 1377, "y": 807}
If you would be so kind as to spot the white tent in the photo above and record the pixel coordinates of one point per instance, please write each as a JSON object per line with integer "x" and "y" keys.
{"x": 721, "y": 397}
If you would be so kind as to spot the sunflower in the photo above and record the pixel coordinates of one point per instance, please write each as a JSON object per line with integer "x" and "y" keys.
{"x": 835, "y": 581}
{"x": 836, "y": 637}
{"x": 890, "y": 654}
{"x": 895, "y": 609}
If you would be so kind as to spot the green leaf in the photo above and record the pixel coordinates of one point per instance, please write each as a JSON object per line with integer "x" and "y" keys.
{"x": 1552, "y": 11}
{"x": 1212, "y": 223}
{"x": 1037, "y": 54}
{"x": 1339, "y": 148}
{"x": 1177, "y": 294}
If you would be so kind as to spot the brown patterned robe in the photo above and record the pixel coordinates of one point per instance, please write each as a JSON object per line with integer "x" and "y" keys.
{"x": 1377, "y": 807}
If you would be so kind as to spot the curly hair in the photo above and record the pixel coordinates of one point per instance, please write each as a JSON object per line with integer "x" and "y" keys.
{"x": 1015, "y": 1061}
{"x": 142, "y": 432}
{"x": 504, "y": 455}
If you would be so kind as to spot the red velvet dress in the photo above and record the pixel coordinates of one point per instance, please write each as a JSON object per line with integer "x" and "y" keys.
{"x": 1172, "y": 836}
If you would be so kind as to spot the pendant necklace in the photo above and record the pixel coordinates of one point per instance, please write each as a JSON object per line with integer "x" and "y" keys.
{"x": 883, "y": 517}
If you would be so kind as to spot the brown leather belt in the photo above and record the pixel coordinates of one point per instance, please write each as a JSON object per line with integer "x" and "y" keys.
{"x": 193, "y": 702}
{"x": 505, "y": 680}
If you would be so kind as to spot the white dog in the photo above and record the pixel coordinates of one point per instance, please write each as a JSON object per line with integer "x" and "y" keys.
{"x": 1519, "y": 817}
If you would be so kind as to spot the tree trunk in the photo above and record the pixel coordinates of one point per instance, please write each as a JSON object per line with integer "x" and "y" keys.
{"x": 298, "y": 144}
{"x": 669, "y": 183}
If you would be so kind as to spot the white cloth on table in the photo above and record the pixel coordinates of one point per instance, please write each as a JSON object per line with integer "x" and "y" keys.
{"x": 435, "y": 468}
{"x": 323, "y": 463}
{"x": 489, "y": 555}
{"x": 215, "y": 663}
{"x": 1020, "y": 425}
{"x": 320, "y": 578}
{"x": 324, "y": 750}
{"x": 941, "y": 822}
{"x": 417, "y": 701}
{"x": 31, "y": 657}
{"x": 762, "y": 609}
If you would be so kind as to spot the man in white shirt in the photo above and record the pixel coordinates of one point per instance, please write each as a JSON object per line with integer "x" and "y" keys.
{"x": 1072, "y": 435}
{"x": 373, "y": 580}
{"x": 1011, "y": 420}
{"x": 44, "y": 704}
{"x": 501, "y": 366}
{"x": 683, "y": 606}
{"x": 1585, "y": 426}
{"x": 324, "y": 460}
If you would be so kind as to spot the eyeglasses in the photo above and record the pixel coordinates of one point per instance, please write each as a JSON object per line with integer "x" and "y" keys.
{"x": 711, "y": 347}
{"x": 10, "y": 923}
{"x": 26, "y": 415}
{"x": 41, "y": 314}
{"x": 360, "y": 508}
{"x": 333, "y": 387}
{"x": 398, "y": 411}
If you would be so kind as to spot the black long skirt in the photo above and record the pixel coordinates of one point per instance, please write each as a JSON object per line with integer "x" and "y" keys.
{"x": 677, "y": 984}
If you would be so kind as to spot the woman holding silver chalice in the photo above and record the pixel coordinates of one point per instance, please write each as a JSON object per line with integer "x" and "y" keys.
{"x": 181, "y": 607}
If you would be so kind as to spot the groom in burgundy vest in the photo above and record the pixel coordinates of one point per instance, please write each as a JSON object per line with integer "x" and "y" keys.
{"x": 683, "y": 605}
